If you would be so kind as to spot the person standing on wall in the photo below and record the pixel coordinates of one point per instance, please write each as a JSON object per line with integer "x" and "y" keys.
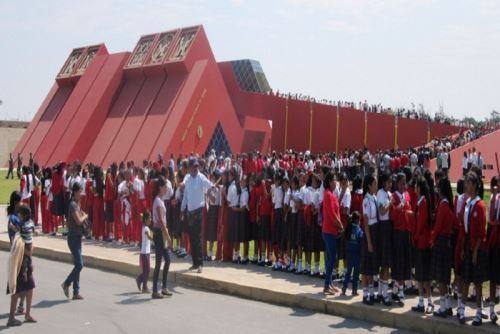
{"x": 195, "y": 186}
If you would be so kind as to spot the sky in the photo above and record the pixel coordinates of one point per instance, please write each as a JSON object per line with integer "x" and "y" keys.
{"x": 437, "y": 53}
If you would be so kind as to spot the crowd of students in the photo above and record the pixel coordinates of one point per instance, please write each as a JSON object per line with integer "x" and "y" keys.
{"x": 385, "y": 216}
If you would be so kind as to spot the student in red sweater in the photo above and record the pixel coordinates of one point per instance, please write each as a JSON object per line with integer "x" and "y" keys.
{"x": 332, "y": 226}
{"x": 440, "y": 243}
{"x": 494, "y": 245}
{"x": 422, "y": 243}
{"x": 401, "y": 267}
{"x": 473, "y": 247}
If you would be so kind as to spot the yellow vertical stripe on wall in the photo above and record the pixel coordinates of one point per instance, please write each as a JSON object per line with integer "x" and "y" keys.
{"x": 286, "y": 124}
{"x": 310, "y": 126}
{"x": 337, "y": 132}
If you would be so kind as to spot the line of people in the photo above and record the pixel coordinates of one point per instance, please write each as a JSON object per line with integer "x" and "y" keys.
{"x": 394, "y": 225}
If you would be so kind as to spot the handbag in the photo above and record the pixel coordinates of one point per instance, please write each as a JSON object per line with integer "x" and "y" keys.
{"x": 86, "y": 228}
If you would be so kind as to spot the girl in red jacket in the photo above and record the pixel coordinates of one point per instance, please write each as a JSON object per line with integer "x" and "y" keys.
{"x": 494, "y": 245}
{"x": 421, "y": 241}
{"x": 401, "y": 266}
{"x": 473, "y": 247}
{"x": 441, "y": 250}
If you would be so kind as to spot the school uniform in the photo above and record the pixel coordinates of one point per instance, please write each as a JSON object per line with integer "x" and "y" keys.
{"x": 252, "y": 207}
{"x": 344, "y": 199}
{"x": 98, "y": 215}
{"x": 279, "y": 234}
{"x": 401, "y": 265}
{"x": 300, "y": 196}
{"x": 213, "y": 214}
{"x": 57, "y": 193}
{"x": 139, "y": 204}
{"x": 384, "y": 240}
{"x": 308, "y": 220}
{"x": 265, "y": 208}
{"x": 441, "y": 241}
{"x": 421, "y": 241}
{"x": 168, "y": 205}
{"x": 494, "y": 240}
{"x": 291, "y": 219}
{"x": 109, "y": 196}
{"x": 233, "y": 223}
{"x": 369, "y": 260}
{"x": 316, "y": 238}
{"x": 472, "y": 231}
{"x": 45, "y": 209}
{"x": 244, "y": 220}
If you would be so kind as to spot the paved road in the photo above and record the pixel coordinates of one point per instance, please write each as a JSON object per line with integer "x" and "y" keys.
{"x": 112, "y": 305}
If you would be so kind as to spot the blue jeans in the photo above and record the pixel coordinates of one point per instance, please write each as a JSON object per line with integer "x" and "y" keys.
{"x": 330, "y": 241}
{"x": 353, "y": 265}
{"x": 75, "y": 246}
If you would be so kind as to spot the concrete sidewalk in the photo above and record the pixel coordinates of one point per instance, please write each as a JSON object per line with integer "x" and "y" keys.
{"x": 252, "y": 282}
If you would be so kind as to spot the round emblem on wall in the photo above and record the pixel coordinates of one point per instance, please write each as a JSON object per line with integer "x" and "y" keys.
{"x": 199, "y": 131}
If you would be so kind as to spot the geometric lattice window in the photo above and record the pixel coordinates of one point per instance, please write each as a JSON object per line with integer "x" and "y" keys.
{"x": 218, "y": 142}
{"x": 250, "y": 76}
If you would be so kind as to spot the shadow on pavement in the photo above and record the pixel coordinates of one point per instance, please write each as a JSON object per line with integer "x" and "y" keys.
{"x": 50, "y": 303}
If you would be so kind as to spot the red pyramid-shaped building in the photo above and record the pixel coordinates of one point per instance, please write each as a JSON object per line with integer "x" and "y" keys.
{"x": 169, "y": 95}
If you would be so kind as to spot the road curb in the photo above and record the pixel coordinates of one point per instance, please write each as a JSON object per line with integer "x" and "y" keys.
{"x": 357, "y": 311}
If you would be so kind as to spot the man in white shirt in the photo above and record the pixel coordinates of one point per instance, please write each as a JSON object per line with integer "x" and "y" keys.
{"x": 196, "y": 185}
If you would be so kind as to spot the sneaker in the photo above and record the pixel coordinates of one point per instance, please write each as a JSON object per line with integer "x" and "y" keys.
{"x": 367, "y": 300}
{"x": 395, "y": 297}
{"x": 478, "y": 320}
{"x": 269, "y": 263}
{"x": 401, "y": 302}
{"x": 245, "y": 262}
{"x": 418, "y": 309}
{"x": 156, "y": 295}
{"x": 493, "y": 318}
{"x": 355, "y": 292}
{"x": 440, "y": 314}
{"x": 461, "y": 316}
{"x": 429, "y": 309}
{"x": 262, "y": 263}
{"x": 199, "y": 270}
{"x": 166, "y": 292}
{"x": 255, "y": 262}
{"x": 65, "y": 290}
{"x": 14, "y": 323}
{"x": 343, "y": 291}
{"x": 387, "y": 301}
{"x": 449, "y": 312}
{"x": 77, "y": 297}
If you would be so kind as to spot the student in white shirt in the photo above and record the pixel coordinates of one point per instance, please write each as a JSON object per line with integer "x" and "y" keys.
{"x": 144, "y": 257}
{"x": 368, "y": 256}
{"x": 233, "y": 204}
{"x": 315, "y": 231}
{"x": 279, "y": 237}
{"x": 383, "y": 245}
{"x": 214, "y": 203}
{"x": 244, "y": 227}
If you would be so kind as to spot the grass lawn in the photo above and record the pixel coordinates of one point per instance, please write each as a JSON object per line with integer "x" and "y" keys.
{"x": 7, "y": 186}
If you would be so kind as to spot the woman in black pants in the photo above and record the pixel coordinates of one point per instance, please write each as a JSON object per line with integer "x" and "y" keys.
{"x": 160, "y": 235}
